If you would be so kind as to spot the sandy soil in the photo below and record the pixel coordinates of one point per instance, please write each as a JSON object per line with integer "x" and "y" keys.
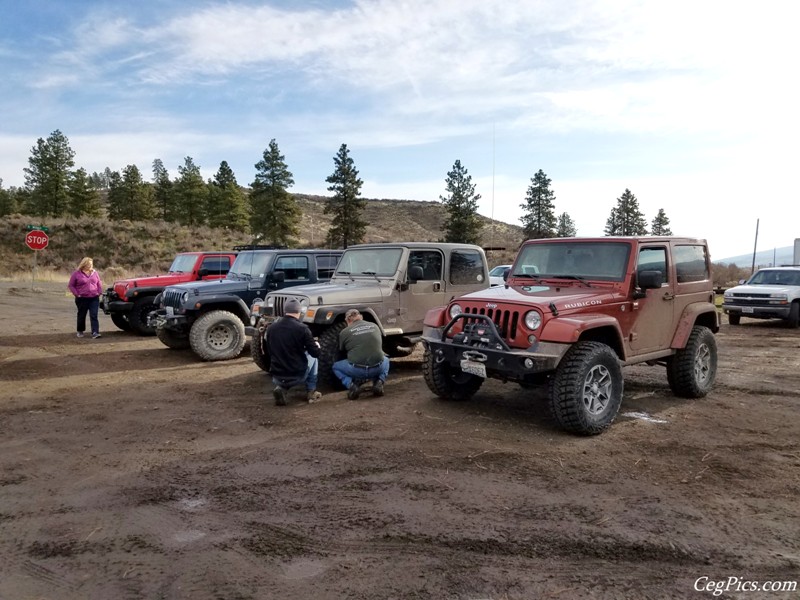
{"x": 128, "y": 470}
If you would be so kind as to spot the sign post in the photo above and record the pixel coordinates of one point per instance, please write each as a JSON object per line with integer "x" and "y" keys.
{"x": 36, "y": 239}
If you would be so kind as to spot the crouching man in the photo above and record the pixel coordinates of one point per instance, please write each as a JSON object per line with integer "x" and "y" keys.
{"x": 293, "y": 355}
{"x": 365, "y": 361}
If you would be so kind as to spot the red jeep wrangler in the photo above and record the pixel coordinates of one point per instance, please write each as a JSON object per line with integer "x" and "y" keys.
{"x": 130, "y": 301}
{"x": 572, "y": 312}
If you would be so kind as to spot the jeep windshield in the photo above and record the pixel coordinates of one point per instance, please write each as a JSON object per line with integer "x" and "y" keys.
{"x": 776, "y": 277}
{"x": 250, "y": 265}
{"x": 595, "y": 261}
{"x": 371, "y": 262}
{"x": 183, "y": 263}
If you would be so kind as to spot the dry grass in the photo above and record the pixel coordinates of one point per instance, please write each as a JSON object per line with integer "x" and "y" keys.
{"x": 128, "y": 249}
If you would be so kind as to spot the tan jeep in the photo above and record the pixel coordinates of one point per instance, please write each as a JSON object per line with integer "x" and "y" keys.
{"x": 393, "y": 285}
{"x": 572, "y": 312}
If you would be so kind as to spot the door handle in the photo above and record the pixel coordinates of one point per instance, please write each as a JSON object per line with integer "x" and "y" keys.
{"x": 668, "y": 296}
{"x": 437, "y": 286}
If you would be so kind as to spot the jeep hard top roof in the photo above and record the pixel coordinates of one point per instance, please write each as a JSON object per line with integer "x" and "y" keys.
{"x": 624, "y": 238}
{"x": 442, "y": 245}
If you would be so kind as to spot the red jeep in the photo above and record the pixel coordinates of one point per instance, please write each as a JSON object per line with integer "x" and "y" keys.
{"x": 572, "y": 312}
{"x": 130, "y": 301}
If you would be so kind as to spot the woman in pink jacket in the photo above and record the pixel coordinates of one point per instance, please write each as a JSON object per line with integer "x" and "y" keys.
{"x": 85, "y": 285}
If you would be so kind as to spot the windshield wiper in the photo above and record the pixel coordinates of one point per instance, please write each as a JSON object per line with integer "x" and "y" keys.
{"x": 373, "y": 273}
{"x": 575, "y": 277}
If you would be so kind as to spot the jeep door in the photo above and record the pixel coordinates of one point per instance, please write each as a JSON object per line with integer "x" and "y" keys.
{"x": 692, "y": 275}
{"x": 653, "y": 317}
{"x": 425, "y": 287}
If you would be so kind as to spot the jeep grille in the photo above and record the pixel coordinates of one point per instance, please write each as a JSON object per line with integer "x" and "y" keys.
{"x": 279, "y": 303}
{"x": 172, "y": 298}
{"x": 505, "y": 320}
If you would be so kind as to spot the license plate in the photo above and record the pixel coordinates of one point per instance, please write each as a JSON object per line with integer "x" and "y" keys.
{"x": 170, "y": 311}
{"x": 473, "y": 368}
{"x": 747, "y": 309}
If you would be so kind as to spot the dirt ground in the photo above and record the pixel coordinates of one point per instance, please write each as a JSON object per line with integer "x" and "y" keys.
{"x": 128, "y": 470}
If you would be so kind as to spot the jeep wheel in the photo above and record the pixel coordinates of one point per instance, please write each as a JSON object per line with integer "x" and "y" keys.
{"x": 177, "y": 340}
{"x": 260, "y": 357}
{"x": 217, "y": 335}
{"x": 587, "y": 389}
{"x": 448, "y": 382}
{"x": 329, "y": 354}
{"x": 692, "y": 370}
{"x": 794, "y": 315}
{"x": 734, "y": 318}
{"x": 142, "y": 308}
{"x": 120, "y": 321}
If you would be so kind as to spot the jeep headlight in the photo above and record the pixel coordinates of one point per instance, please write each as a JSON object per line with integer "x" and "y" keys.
{"x": 270, "y": 301}
{"x": 184, "y": 297}
{"x": 455, "y": 309}
{"x": 533, "y": 320}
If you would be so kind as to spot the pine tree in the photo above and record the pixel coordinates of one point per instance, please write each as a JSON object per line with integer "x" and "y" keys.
{"x": 539, "y": 219}
{"x": 275, "y": 214}
{"x": 626, "y": 218}
{"x": 462, "y": 224}
{"x": 47, "y": 175}
{"x": 129, "y": 196}
{"x": 8, "y": 204}
{"x": 347, "y": 225}
{"x": 227, "y": 204}
{"x": 660, "y": 224}
{"x": 191, "y": 193}
{"x": 163, "y": 197}
{"x": 566, "y": 226}
{"x": 84, "y": 199}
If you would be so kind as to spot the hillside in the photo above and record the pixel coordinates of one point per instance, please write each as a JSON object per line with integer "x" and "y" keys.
{"x": 124, "y": 248}
{"x": 776, "y": 256}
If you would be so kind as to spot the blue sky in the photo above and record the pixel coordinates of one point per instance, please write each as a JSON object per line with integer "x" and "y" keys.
{"x": 691, "y": 105}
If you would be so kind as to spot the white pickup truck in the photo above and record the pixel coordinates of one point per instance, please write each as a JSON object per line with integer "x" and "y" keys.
{"x": 772, "y": 293}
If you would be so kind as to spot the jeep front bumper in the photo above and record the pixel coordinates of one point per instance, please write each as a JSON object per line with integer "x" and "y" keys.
{"x": 111, "y": 303}
{"x": 482, "y": 344}
{"x": 164, "y": 318}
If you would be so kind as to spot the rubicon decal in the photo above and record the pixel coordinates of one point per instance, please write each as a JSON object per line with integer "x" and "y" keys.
{"x": 580, "y": 304}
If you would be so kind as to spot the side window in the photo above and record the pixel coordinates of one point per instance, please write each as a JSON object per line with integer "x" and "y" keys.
{"x": 430, "y": 261}
{"x": 466, "y": 267}
{"x": 691, "y": 263}
{"x": 295, "y": 267}
{"x": 216, "y": 265}
{"x": 326, "y": 265}
{"x": 653, "y": 259}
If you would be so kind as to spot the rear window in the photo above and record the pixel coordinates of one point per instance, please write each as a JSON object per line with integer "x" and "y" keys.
{"x": 691, "y": 263}
{"x": 216, "y": 265}
{"x": 466, "y": 267}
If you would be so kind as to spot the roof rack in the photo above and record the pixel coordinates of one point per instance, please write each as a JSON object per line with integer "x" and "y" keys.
{"x": 257, "y": 247}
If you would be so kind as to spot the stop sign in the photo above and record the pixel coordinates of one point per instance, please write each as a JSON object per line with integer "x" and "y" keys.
{"x": 36, "y": 239}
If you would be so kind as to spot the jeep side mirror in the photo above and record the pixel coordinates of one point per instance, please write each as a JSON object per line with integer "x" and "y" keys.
{"x": 278, "y": 276}
{"x": 202, "y": 273}
{"x": 650, "y": 280}
{"x": 415, "y": 273}
{"x": 505, "y": 274}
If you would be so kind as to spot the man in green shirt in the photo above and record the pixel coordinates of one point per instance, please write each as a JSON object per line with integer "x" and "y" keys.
{"x": 365, "y": 361}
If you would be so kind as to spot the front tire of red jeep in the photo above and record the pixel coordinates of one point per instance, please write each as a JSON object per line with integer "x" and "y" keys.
{"x": 121, "y": 321}
{"x": 173, "y": 339}
{"x": 142, "y": 308}
{"x": 217, "y": 335}
{"x": 586, "y": 390}
{"x": 447, "y": 382}
{"x": 692, "y": 370}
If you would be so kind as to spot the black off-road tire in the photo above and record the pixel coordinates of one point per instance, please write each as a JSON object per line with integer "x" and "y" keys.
{"x": 794, "y": 315}
{"x": 692, "y": 370}
{"x": 121, "y": 321}
{"x": 175, "y": 340}
{"x": 142, "y": 307}
{"x": 217, "y": 335}
{"x": 329, "y": 354}
{"x": 586, "y": 390}
{"x": 734, "y": 318}
{"x": 448, "y": 383}
{"x": 257, "y": 351}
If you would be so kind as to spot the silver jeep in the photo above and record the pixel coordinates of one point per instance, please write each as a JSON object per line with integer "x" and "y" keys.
{"x": 393, "y": 285}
